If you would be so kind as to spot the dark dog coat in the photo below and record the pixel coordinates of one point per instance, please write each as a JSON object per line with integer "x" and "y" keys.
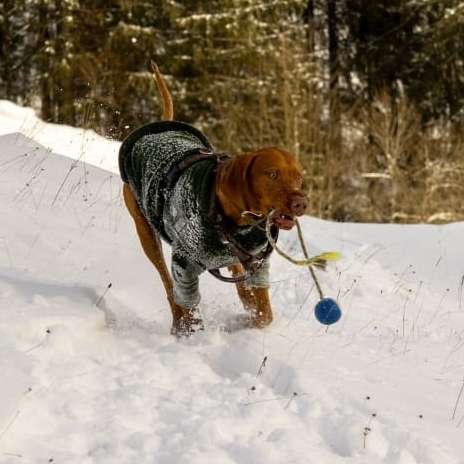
{"x": 180, "y": 204}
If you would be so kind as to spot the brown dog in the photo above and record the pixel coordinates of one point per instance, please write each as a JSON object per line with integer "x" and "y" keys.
{"x": 242, "y": 189}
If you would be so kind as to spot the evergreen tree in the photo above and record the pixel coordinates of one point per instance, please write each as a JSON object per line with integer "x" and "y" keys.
{"x": 396, "y": 44}
{"x": 17, "y": 49}
{"x": 334, "y": 81}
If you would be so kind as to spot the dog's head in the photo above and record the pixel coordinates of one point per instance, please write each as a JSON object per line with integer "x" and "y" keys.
{"x": 275, "y": 183}
{"x": 265, "y": 180}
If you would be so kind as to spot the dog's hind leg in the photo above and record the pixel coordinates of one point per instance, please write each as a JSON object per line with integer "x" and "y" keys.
{"x": 152, "y": 247}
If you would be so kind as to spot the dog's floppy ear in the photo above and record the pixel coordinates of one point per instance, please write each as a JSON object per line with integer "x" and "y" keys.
{"x": 234, "y": 186}
{"x": 238, "y": 172}
{"x": 248, "y": 168}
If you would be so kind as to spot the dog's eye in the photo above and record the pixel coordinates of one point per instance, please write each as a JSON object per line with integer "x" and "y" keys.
{"x": 273, "y": 174}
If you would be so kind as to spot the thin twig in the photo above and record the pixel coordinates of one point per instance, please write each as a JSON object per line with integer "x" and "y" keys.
{"x": 460, "y": 292}
{"x": 263, "y": 365}
{"x": 100, "y": 298}
{"x": 457, "y": 401}
{"x": 7, "y": 427}
{"x": 295, "y": 394}
{"x": 15, "y": 455}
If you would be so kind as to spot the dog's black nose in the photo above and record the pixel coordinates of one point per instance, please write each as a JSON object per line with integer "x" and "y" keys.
{"x": 298, "y": 204}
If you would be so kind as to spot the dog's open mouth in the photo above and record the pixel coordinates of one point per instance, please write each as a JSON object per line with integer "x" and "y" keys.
{"x": 283, "y": 221}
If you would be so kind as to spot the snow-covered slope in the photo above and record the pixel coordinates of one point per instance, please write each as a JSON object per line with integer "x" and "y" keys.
{"x": 79, "y": 144}
{"x": 89, "y": 373}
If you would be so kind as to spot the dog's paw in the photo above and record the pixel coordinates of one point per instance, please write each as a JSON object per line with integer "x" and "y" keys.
{"x": 186, "y": 326}
{"x": 246, "y": 321}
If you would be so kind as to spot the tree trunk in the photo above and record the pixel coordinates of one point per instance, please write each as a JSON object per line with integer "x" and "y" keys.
{"x": 62, "y": 73}
{"x": 6, "y": 50}
{"x": 333, "y": 71}
{"x": 308, "y": 18}
{"x": 45, "y": 88}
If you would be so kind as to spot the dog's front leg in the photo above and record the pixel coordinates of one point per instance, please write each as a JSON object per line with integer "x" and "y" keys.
{"x": 259, "y": 285}
{"x": 262, "y": 314}
{"x": 245, "y": 293}
{"x": 255, "y": 294}
{"x": 186, "y": 295}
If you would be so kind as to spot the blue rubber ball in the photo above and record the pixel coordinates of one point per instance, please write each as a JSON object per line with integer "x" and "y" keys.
{"x": 327, "y": 311}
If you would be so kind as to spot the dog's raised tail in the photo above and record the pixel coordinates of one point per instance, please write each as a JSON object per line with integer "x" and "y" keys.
{"x": 168, "y": 107}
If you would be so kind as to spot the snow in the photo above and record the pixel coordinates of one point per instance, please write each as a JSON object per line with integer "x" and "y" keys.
{"x": 78, "y": 144}
{"x": 90, "y": 374}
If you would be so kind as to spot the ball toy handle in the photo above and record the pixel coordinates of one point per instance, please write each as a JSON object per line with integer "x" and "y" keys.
{"x": 327, "y": 311}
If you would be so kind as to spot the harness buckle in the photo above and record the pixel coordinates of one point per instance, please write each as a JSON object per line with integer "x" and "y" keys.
{"x": 206, "y": 151}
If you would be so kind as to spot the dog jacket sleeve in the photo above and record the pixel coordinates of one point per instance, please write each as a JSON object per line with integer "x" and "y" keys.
{"x": 260, "y": 278}
{"x": 185, "y": 274}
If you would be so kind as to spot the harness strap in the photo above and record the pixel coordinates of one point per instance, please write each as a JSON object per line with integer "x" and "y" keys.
{"x": 191, "y": 158}
{"x": 232, "y": 280}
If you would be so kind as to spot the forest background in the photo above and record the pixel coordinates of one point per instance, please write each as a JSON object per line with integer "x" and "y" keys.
{"x": 368, "y": 94}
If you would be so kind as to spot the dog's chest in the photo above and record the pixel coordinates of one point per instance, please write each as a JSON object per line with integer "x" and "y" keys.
{"x": 190, "y": 221}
